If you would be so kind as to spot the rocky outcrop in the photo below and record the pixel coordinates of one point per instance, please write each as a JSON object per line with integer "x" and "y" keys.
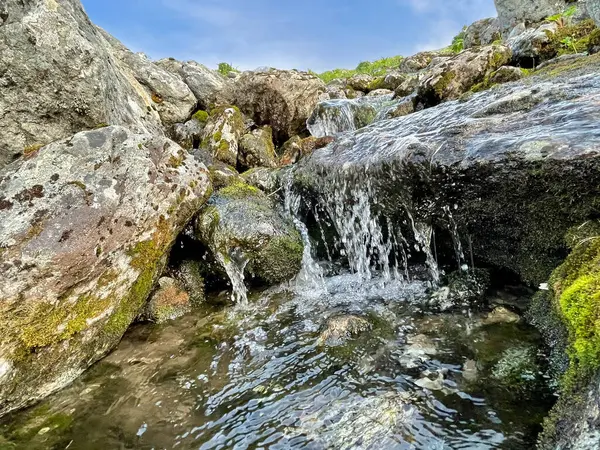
{"x": 222, "y": 133}
{"x": 452, "y": 78}
{"x": 257, "y": 149}
{"x": 417, "y": 62}
{"x": 59, "y": 77}
{"x": 513, "y": 12}
{"x": 281, "y": 99}
{"x": 86, "y": 224}
{"x": 483, "y": 32}
{"x": 171, "y": 97}
{"x": 210, "y": 88}
{"x": 241, "y": 226}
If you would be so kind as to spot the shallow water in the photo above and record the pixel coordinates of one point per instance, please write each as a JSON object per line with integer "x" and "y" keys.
{"x": 262, "y": 377}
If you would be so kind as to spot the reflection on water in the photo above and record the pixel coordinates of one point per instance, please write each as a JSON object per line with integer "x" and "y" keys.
{"x": 263, "y": 378}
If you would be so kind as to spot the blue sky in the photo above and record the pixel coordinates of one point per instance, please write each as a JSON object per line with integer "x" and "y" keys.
{"x": 307, "y": 34}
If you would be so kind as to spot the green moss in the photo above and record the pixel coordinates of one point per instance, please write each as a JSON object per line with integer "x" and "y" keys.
{"x": 31, "y": 149}
{"x": 569, "y": 39}
{"x": 441, "y": 85}
{"x": 201, "y": 116}
{"x": 280, "y": 260}
{"x": 176, "y": 161}
{"x": 217, "y": 136}
{"x": 373, "y": 68}
{"x": 377, "y": 83}
{"x": 239, "y": 189}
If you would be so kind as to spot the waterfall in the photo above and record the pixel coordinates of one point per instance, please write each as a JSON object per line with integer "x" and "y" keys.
{"x": 337, "y": 116}
{"x": 234, "y": 265}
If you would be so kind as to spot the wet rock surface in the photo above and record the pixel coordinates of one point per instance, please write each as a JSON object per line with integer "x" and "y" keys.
{"x": 491, "y": 164}
{"x": 86, "y": 225}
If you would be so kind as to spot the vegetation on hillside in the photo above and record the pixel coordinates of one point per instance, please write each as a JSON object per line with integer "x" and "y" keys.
{"x": 374, "y": 68}
{"x": 225, "y": 68}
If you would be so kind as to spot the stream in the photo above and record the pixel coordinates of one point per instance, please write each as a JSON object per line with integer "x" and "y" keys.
{"x": 269, "y": 376}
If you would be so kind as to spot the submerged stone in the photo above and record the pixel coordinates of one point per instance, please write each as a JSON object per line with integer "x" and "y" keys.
{"x": 341, "y": 328}
{"x": 168, "y": 302}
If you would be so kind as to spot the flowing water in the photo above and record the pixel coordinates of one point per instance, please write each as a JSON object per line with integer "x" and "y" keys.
{"x": 275, "y": 375}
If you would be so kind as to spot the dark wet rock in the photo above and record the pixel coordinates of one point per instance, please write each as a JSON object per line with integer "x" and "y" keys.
{"x": 59, "y": 76}
{"x": 86, "y": 225}
{"x": 457, "y": 75}
{"x": 209, "y": 87}
{"x": 517, "y": 368}
{"x": 189, "y": 134}
{"x": 483, "y": 32}
{"x": 222, "y": 133}
{"x": 168, "y": 302}
{"x": 282, "y": 99}
{"x": 341, "y": 328}
{"x": 241, "y": 225}
{"x": 516, "y": 166}
{"x": 464, "y": 288}
{"x": 406, "y": 106}
{"x": 257, "y": 149}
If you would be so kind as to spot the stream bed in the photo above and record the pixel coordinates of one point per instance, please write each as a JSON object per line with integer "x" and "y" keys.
{"x": 348, "y": 364}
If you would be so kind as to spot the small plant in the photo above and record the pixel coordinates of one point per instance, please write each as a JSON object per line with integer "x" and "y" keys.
{"x": 374, "y": 68}
{"x": 564, "y": 18}
{"x": 569, "y": 43}
{"x": 458, "y": 43}
{"x": 225, "y": 68}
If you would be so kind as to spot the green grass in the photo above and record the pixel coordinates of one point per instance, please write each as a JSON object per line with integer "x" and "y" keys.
{"x": 225, "y": 68}
{"x": 374, "y": 68}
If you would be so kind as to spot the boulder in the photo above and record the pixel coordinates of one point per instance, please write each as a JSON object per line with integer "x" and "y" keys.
{"x": 483, "y": 32}
{"x": 210, "y": 88}
{"x": 457, "y": 75}
{"x": 360, "y": 82}
{"x": 506, "y": 74}
{"x": 282, "y": 99}
{"x": 242, "y": 226}
{"x": 297, "y": 148}
{"x": 59, "y": 77}
{"x": 257, "y": 149}
{"x": 86, "y": 225}
{"x": 262, "y": 178}
{"x": 513, "y": 12}
{"x": 337, "y": 116}
{"x": 417, "y": 62}
{"x": 167, "y": 303}
{"x": 222, "y": 133}
{"x": 528, "y": 46}
{"x": 171, "y": 97}
{"x": 189, "y": 134}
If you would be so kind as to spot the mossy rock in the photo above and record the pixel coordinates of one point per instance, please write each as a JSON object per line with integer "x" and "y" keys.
{"x": 242, "y": 223}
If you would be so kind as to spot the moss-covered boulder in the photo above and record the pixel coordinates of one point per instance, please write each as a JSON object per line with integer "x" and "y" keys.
{"x": 568, "y": 313}
{"x": 242, "y": 224}
{"x": 86, "y": 225}
{"x": 257, "y": 149}
{"x": 189, "y": 134}
{"x": 222, "y": 133}
{"x": 452, "y": 78}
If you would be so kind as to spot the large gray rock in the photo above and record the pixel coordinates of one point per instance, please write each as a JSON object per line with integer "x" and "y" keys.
{"x": 58, "y": 76}
{"x": 455, "y": 76}
{"x": 482, "y": 32}
{"x": 513, "y": 12}
{"x": 528, "y": 45}
{"x": 171, "y": 97}
{"x": 210, "y": 88}
{"x": 242, "y": 226}
{"x": 86, "y": 224}
{"x": 283, "y": 99}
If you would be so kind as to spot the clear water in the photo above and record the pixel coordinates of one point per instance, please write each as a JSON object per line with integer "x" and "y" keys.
{"x": 264, "y": 377}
